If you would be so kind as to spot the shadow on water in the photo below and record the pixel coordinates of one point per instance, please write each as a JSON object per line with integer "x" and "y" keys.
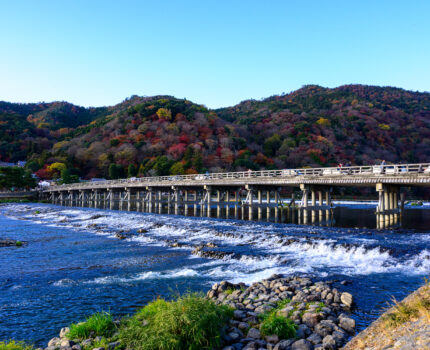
{"x": 341, "y": 216}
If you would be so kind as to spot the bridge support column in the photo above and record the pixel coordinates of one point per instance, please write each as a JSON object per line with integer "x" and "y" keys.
{"x": 387, "y": 211}
{"x": 260, "y": 203}
{"x": 208, "y": 198}
{"x": 111, "y": 197}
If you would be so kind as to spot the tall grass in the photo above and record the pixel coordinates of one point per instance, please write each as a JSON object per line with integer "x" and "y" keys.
{"x": 13, "y": 345}
{"x": 190, "y": 322}
{"x": 99, "y": 324}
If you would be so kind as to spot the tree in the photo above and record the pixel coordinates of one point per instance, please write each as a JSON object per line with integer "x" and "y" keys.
{"x": 162, "y": 165}
{"x": 164, "y": 113}
{"x": 197, "y": 161}
{"x": 113, "y": 171}
{"x": 177, "y": 169}
{"x": 271, "y": 145}
{"x": 65, "y": 176}
{"x": 132, "y": 170}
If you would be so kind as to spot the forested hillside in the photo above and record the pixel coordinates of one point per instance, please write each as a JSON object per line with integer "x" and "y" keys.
{"x": 143, "y": 136}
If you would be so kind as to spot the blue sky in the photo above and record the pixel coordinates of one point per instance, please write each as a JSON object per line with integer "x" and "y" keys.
{"x": 216, "y": 53}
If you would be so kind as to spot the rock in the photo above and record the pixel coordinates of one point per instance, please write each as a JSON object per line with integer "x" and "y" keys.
{"x": 234, "y": 336}
{"x": 239, "y": 315}
{"x": 254, "y": 333}
{"x": 339, "y": 337}
{"x": 54, "y": 342}
{"x": 120, "y": 236}
{"x": 64, "y": 332}
{"x": 301, "y": 344}
{"x": 113, "y": 345}
{"x": 51, "y": 347}
{"x": 311, "y": 319}
{"x": 86, "y": 342}
{"x": 329, "y": 343}
{"x": 347, "y": 324}
{"x": 142, "y": 230}
{"x": 101, "y": 348}
{"x": 346, "y": 299}
{"x": 283, "y": 344}
{"x": 66, "y": 343}
{"x": 76, "y": 347}
{"x": 272, "y": 339}
{"x": 243, "y": 326}
{"x": 302, "y": 331}
{"x": 314, "y": 338}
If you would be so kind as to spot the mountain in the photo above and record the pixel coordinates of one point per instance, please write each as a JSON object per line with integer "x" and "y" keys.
{"x": 313, "y": 126}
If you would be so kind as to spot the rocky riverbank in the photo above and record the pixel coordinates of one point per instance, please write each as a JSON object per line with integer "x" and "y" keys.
{"x": 405, "y": 326}
{"x": 278, "y": 313}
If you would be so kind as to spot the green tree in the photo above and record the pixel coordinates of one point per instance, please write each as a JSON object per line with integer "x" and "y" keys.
{"x": 162, "y": 165}
{"x": 177, "y": 169}
{"x": 65, "y": 176}
{"x": 132, "y": 170}
{"x": 271, "y": 145}
{"x": 198, "y": 161}
{"x": 113, "y": 171}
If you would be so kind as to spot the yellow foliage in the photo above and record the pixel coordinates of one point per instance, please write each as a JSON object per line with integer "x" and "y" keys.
{"x": 60, "y": 144}
{"x": 57, "y": 167}
{"x": 370, "y": 105}
{"x": 384, "y": 126}
{"x": 164, "y": 113}
{"x": 323, "y": 122}
{"x": 354, "y": 102}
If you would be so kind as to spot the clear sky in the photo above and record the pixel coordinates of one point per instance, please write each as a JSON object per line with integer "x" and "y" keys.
{"x": 217, "y": 53}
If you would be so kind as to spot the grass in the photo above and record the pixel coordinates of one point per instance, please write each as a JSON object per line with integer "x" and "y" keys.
{"x": 283, "y": 327}
{"x": 11, "y": 200}
{"x": 402, "y": 312}
{"x": 99, "y": 324}
{"x": 13, "y": 345}
{"x": 190, "y": 322}
{"x": 18, "y": 243}
{"x": 272, "y": 323}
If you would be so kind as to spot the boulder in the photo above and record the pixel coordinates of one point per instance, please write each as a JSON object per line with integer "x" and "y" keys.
{"x": 272, "y": 339}
{"x": 311, "y": 319}
{"x": 346, "y": 299}
{"x": 54, "y": 342}
{"x": 347, "y": 324}
{"x": 254, "y": 333}
{"x": 329, "y": 343}
{"x": 283, "y": 345}
{"x": 64, "y": 331}
{"x": 314, "y": 338}
{"x": 301, "y": 344}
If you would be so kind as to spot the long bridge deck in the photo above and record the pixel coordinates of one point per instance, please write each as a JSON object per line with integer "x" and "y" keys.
{"x": 398, "y": 174}
{"x": 249, "y": 189}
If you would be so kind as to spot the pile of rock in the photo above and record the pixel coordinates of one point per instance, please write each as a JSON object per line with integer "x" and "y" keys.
{"x": 62, "y": 342}
{"x": 318, "y": 310}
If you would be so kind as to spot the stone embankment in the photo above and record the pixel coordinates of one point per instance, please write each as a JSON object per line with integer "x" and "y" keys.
{"x": 317, "y": 314}
{"x": 405, "y": 326}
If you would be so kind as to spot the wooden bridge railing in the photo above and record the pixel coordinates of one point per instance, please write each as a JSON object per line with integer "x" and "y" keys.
{"x": 365, "y": 170}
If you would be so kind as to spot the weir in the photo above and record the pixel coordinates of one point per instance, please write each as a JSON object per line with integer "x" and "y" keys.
{"x": 251, "y": 194}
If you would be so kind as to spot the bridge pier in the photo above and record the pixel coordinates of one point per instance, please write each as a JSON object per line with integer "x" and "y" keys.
{"x": 387, "y": 211}
{"x": 316, "y": 207}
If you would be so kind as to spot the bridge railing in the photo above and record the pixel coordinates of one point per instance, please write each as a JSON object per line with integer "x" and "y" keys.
{"x": 366, "y": 170}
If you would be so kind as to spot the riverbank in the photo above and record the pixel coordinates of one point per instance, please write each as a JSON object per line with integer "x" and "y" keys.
{"x": 277, "y": 313}
{"x": 406, "y": 325}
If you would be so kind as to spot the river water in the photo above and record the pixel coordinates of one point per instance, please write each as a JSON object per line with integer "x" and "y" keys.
{"x": 72, "y": 264}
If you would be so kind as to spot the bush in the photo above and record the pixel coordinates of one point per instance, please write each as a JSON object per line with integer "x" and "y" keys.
{"x": 13, "y": 345}
{"x": 18, "y": 243}
{"x": 283, "y": 327}
{"x": 101, "y": 324}
{"x": 190, "y": 322}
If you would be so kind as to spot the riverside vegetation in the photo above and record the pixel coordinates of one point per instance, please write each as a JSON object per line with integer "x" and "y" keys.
{"x": 278, "y": 313}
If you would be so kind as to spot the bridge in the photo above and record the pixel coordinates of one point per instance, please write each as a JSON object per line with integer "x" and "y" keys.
{"x": 248, "y": 190}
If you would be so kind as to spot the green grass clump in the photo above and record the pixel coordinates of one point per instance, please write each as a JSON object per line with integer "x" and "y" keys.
{"x": 190, "y": 322}
{"x": 283, "y": 327}
{"x": 101, "y": 324}
{"x": 18, "y": 243}
{"x": 282, "y": 303}
{"x": 13, "y": 345}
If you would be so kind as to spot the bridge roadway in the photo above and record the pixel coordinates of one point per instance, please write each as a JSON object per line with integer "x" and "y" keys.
{"x": 198, "y": 190}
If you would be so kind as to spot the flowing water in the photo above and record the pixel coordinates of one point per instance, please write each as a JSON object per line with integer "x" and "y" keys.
{"x": 72, "y": 264}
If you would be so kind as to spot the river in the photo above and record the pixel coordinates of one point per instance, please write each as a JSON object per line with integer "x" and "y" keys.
{"x": 72, "y": 264}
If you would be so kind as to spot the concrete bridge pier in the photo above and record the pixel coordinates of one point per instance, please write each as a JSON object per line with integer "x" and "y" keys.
{"x": 387, "y": 211}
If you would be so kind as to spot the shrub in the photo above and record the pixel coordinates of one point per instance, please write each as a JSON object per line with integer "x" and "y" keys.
{"x": 283, "y": 327}
{"x": 101, "y": 324}
{"x": 13, "y": 345}
{"x": 18, "y": 243}
{"x": 189, "y": 322}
